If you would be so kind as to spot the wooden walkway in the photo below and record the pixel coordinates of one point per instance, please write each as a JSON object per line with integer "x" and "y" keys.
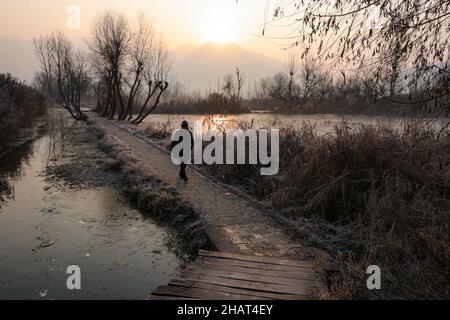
{"x": 231, "y": 276}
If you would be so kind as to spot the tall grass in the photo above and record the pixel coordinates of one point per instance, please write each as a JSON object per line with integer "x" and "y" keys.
{"x": 368, "y": 195}
{"x": 388, "y": 189}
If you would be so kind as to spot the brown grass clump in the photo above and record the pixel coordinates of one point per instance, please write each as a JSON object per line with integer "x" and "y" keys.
{"x": 369, "y": 196}
{"x": 389, "y": 190}
{"x": 158, "y": 131}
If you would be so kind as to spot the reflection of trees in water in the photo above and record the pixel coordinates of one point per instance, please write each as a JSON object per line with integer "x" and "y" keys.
{"x": 13, "y": 163}
{"x": 57, "y": 123}
{"x": 6, "y": 189}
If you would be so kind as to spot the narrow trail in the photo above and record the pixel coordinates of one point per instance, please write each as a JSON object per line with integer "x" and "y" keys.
{"x": 234, "y": 224}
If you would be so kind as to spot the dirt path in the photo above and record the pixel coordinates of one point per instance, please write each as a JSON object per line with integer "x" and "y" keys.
{"x": 233, "y": 223}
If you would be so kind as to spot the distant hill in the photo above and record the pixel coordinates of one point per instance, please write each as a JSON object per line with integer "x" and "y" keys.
{"x": 197, "y": 67}
{"x": 200, "y": 68}
{"x": 181, "y": 52}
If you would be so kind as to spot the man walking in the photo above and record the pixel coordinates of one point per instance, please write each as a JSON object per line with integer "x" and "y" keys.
{"x": 185, "y": 126}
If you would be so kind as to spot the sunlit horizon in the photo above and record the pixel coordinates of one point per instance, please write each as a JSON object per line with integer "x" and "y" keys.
{"x": 181, "y": 23}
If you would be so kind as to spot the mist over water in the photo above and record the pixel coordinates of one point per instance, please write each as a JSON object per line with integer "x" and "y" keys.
{"x": 323, "y": 123}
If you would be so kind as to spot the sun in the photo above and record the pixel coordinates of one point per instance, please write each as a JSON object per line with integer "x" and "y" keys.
{"x": 219, "y": 32}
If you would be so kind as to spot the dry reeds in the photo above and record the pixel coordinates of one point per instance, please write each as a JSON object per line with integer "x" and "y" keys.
{"x": 369, "y": 196}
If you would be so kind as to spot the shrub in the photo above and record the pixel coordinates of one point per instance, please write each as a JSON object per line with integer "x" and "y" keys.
{"x": 19, "y": 105}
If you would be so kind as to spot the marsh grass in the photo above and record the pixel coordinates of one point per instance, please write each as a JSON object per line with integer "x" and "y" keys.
{"x": 368, "y": 195}
{"x": 158, "y": 131}
{"x": 387, "y": 190}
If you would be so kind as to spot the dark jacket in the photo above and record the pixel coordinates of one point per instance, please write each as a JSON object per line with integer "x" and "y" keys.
{"x": 174, "y": 143}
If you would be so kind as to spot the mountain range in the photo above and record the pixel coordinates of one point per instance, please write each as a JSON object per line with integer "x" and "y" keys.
{"x": 203, "y": 67}
{"x": 198, "y": 68}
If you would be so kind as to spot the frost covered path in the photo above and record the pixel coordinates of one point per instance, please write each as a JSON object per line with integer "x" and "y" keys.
{"x": 234, "y": 224}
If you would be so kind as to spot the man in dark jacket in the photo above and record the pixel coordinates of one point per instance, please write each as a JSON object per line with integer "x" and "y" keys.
{"x": 185, "y": 126}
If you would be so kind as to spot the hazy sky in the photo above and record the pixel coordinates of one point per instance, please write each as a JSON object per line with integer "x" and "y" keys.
{"x": 182, "y": 21}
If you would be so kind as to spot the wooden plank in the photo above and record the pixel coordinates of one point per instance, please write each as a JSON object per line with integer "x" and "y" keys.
{"x": 245, "y": 284}
{"x": 268, "y": 260}
{"x": 257, "y": 294}
{"x": 249, "y": 277}
{"x": 200, "y": 293}
{"x": 255, "y": 265}
{"x": 231, "y": 276}
{"x": 206, "y": 264}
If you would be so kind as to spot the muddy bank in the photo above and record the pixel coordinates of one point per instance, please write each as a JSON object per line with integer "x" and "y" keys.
{"x": 90, "y": 158}
{"x": 155, "y": 197}
{"x": 81, "y": 163}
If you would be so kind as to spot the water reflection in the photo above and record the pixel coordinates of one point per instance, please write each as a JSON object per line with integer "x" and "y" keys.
{"x": 13, "y": 162}
{"x": 16, "y": 158}
{"x": 44, "y": 228}
{"x": 56, "y": 127}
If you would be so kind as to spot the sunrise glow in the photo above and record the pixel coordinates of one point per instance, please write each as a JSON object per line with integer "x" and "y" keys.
{"x": 218, "y": 31}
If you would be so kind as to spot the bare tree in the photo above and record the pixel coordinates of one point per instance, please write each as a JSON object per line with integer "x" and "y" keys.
{"x": 109, "y": 46}
{"x": 141, "y": 45}
{"x": 276, "y": 86}
{"x": 44, "y": 53}
{"x": 325, "y": 86}
{"x": 394, "y": 57}
{"x": 63, "y": 72}
{"x": 341, "y": 32}
{"x": 229, "y": 86}
{"x": 157, "y": 67}
{"x": 103, "y": 86}
{"x": 239, "y": 84}
{"x": 130, "y": 61}
{"x": 309, "y": 77}
{"x": 292, "y": 69}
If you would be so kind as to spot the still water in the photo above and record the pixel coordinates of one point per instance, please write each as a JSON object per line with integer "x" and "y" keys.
{"x": 43, "y": 230}
{"x": 323, "y": 123}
